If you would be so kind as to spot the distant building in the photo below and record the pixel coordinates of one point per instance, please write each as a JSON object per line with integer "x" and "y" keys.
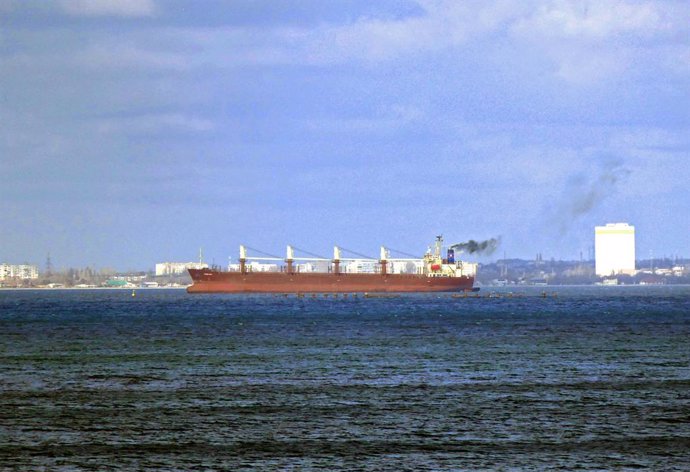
{"x": 119, "y": 283}
{"x": 176, "y": 268}
{"x": 18, "y": 271}
{"x": 614, "y": 249}
{"x": 129, "y": 278}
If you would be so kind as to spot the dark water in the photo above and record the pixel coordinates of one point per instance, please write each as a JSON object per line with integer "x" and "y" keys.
{"x": 593, "y": 379}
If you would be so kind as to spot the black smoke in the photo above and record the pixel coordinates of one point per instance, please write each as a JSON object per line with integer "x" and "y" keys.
{"x": 589, "y": 195}
{"x": 585, "y": 192}
{"x": 479, "y": 247}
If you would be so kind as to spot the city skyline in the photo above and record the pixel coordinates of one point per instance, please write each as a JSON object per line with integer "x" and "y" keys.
{"x": 136, "y": 132}
{"x": 636, "y": 262}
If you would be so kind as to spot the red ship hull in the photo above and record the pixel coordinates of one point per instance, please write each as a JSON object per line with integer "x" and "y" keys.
{"x": 214, "y": 281}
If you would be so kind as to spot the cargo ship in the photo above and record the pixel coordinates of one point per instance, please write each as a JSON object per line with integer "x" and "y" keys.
{"x": 431, "y": 273}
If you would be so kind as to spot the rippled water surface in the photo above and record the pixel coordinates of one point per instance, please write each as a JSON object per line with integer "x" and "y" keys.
{"x": 582, "y": 379}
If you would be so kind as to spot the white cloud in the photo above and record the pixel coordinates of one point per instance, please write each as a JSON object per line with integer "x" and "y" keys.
{"x": 444, "y": 24}
{"x": 387, "y": 120}
{"x": 593, "y": 41}
{"x": 593, "y": 19}
{"x": 583, "y": 67}
{"x": 126, "y": 55}
{"x": 581, "y": 43}
{"x": 156, "y": 123}
{"x": 131, "y": 8}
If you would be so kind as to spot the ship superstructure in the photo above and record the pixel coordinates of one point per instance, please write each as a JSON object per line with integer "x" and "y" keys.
{"x": 431, "y": 273}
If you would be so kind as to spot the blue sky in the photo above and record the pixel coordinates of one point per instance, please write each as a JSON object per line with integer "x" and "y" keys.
{"x": 137, "y": 131}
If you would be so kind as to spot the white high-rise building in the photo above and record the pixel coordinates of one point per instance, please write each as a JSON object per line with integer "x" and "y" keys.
{"x": 18, "y": 271}
{"x": 614, "y": 249}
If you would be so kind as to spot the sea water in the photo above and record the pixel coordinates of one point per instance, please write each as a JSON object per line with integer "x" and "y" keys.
{"x": 580, "y": 378}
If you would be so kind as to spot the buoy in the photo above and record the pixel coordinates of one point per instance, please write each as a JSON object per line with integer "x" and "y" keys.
{"x": 134, "y": 293}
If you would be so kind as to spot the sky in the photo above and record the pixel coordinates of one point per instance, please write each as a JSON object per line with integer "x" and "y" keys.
{"x": 137, "y": 131}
